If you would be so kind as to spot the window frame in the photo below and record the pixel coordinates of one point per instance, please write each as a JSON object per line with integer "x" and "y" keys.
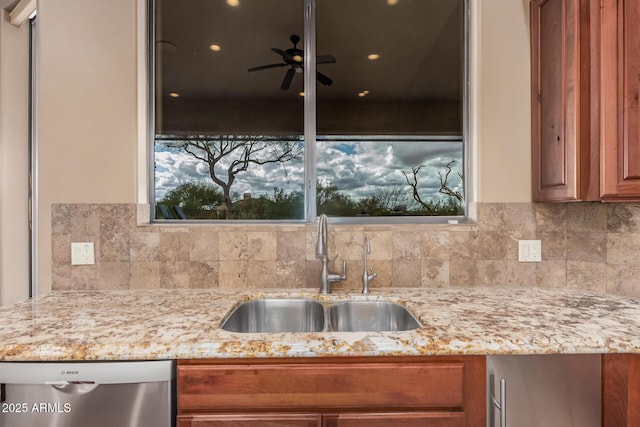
{"x": 310, "y": 133}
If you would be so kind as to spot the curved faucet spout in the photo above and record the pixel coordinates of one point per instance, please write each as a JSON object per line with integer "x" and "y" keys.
{"x": 321, "y": 243}
{"x": 326, "y": 277}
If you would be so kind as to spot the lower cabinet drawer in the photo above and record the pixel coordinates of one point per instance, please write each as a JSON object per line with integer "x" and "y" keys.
{"x": 310, "y": 387}
{"x": 408, "y": 419}
{"x": 251, "y": 420}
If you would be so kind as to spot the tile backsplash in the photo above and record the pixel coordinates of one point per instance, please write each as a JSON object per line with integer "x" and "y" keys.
{"x": 591, "y": 246}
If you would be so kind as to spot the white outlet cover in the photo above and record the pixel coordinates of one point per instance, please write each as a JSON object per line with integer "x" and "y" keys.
{"x": 82, "y": 253}
{"x": 529, "y": 251}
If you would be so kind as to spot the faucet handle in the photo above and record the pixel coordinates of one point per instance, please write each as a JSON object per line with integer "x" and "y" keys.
{"x": 343, "y": 275}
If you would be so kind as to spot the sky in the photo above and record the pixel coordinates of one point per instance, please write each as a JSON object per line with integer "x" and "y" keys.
{"x": 358, "y": 168}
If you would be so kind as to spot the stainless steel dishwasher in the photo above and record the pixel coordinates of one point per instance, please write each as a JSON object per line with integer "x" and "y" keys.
{"x": 80, "y": 394}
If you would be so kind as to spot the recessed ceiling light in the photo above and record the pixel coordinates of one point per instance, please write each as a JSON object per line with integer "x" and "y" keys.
{"x": 392, "y": 2}
{"x": 373, "y": 56}
{"x": 174, "y": 94}
{"x": 366, "y": 92}
{"x": 215, "y": 47}
{"x": 235, "y": 3}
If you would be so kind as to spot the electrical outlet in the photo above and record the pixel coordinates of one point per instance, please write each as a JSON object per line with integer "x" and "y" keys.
{"x": 529, "y": 250}
{"x": 82, "y": 253}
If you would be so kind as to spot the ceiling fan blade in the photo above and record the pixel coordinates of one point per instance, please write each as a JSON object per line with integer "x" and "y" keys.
{"x": 325, "y": 59}
{"x": 265, "y": 67}
{"x": 284, "y": 54}
{"x": 323, "y": 79}
{"x": 286, "y": 82}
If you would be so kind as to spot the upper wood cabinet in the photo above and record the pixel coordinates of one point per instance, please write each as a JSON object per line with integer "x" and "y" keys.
{"x": 585, "y": 72}
{"x": 619, "y": 93}
{"x": 564, "y": 163}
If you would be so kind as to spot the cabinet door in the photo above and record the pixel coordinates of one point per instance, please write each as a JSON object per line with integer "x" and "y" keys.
{"x": 619, "y": 93}
{"x": 250, "y": 420}
{"x": 560, "y": 61}
{"x": 424, "y": 419}
{"x": 621, "y": 390}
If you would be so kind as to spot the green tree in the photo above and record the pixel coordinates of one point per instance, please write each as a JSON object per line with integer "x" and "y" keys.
{"x": 331, "y": 201}
{"x": 228, "y": 156}
{"x": 193, "y": 198}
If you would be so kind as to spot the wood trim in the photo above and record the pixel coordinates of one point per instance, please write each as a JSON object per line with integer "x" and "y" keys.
{"x": 621, "y": 390}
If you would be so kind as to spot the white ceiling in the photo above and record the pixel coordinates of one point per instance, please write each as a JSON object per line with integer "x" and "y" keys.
{"x": 419, "y": 42}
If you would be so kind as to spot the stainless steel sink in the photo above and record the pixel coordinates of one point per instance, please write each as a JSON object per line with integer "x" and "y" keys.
{"x": 307, "y": 315}
{"x": 352, "y": 316}
{"x": 276, "y": 315}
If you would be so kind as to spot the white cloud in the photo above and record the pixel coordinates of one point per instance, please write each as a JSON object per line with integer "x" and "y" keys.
{"x": 357, "y": 168}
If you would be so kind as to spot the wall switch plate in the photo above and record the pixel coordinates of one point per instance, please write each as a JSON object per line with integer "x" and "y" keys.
{"x": 529, "y": 251}
{"x": 82, "y": 253}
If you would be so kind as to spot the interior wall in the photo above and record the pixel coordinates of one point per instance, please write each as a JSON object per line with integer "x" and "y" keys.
{"x": 14, "y": 161}
{"x": 87, "y": 108}
{"x": 91, "y": 130}
{"x": 503, "y": 143}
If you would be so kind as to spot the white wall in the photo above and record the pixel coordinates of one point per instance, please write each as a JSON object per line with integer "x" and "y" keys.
{"x": 14, "y": 161}
{"x": 87, "y": 109}
{"x": 503, "y": 134}
{"x": 92, "y": 126}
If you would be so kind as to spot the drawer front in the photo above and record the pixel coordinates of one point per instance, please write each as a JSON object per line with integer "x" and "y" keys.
{"x": 234, "y": 388}
{"x": 408, "y": 419}
{"x": 251, "y": 420}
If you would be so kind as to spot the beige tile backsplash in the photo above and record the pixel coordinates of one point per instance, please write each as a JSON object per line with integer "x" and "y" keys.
{"x": 591, "y": 246}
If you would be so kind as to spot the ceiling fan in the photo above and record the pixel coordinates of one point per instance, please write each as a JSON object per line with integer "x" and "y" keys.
{"x": 294, "y": 59}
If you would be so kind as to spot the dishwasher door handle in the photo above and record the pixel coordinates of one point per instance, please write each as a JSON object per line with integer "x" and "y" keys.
{"x": 73, "y": 387}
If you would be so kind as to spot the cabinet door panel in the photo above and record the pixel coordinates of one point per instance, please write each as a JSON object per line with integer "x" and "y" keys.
{"x": 621, "y": 390}
{"x": 620, "y": 97}
{"x": 320, "y": 386}
{"x": 555, "y": 98}
{"x": 251, "y": 420}
{"x": 423, "y": 419}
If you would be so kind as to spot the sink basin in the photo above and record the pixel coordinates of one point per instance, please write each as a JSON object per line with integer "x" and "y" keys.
{"x": 276, "y": 315}
{"x": 353, "y": 316}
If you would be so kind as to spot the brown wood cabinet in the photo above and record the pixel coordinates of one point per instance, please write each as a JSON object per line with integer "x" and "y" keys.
{"x": 619, "y": 98}
{"x": 621, "y": 390}
{"x": 585, "y": 88}
{"x": 563, "y": 164}
{"x": 333, "y": 392}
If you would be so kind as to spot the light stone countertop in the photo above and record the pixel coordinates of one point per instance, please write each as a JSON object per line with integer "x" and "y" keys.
{"x": 182, "y": 324}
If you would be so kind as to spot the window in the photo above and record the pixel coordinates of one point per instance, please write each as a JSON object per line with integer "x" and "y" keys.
{"x": 284, "y": 109}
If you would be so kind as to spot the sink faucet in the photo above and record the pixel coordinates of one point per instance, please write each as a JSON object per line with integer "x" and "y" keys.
{"x": 322, "y": 253}
{"x": 366, "y": 277}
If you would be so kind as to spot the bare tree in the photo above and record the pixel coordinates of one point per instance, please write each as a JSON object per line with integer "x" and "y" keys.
{"x": 227, "y": 156}
{"x": 444, "y": 187}
{"x": 430, "y": 205}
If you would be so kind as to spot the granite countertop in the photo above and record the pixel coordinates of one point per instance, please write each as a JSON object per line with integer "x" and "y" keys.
{"x": 181, "y": 324}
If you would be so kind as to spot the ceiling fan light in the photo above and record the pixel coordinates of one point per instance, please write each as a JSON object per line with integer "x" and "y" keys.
{"x": 298, "y": 58}
{"x": 301, "y": 94}
{"x": 215, "y": 47}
